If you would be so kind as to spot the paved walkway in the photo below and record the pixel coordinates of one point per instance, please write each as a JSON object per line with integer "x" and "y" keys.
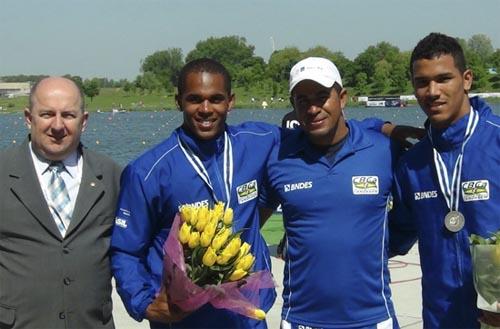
{"x": 406, "y": 289}
{"x": 405, "y": 275}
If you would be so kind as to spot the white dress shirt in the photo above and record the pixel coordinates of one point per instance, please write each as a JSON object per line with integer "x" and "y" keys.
{"x": 72, "y": 175}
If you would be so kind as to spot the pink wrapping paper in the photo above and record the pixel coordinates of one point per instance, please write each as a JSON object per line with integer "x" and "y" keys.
{"x": 240, "y": 296}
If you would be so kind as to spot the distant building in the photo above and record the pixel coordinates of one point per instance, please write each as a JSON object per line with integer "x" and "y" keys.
{"x": 14, "y": 89}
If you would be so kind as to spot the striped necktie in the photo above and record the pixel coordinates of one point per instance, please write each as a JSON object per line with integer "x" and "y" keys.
{"x": 60, "y": 204}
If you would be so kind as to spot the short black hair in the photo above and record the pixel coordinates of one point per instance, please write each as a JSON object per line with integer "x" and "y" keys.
{"x": 435, "y": 45}
{"x": 203, "y": 65}
{"x": 338, "y": 88}
{"x": 34, "y": 87}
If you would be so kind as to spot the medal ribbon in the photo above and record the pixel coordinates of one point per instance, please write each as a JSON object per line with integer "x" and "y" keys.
{"x": 452, "y": 193}
{"x": 200, "y": 169}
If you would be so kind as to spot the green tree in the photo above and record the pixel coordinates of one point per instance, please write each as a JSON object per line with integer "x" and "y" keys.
{"x": 121, "y": 83}
{"x": 494, "y": 60}
{"x": 165, "y": 66}
{"x": 251, "y": 74}
{"x": 319, "y": 51}
{"x": 495, "y": 64}
{"x": 345, "y": 65}
{"x": 481, "y": 45}
{"x": 91, "y": 88}
{"x": 361, "y": 82}
{"x": 400, "y": 75}
{"x": 235, "y": 54}
{"x": 148, "y": 83}
{"x": 381, "y": 76}
{"x": 127, "y": 87}
{"x": 76, "y": 79}
{"x": 478, "y": 66}
{"x": 366, "y": 61}
{"x": 280, "y": 63}
{"x": 481, "y": 76}
{"x": 475, "y": 62}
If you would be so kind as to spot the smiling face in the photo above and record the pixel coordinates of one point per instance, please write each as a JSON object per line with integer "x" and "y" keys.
{"x": 441, "y": 89}
{"x": 56, "y": 120}
{"x": 205, "y": 103}
{"x": 319, "y": 110}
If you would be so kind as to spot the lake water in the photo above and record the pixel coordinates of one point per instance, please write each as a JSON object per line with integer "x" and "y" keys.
{"x": 123, "y": 136}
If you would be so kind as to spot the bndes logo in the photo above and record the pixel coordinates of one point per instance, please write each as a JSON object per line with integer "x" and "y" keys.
{"x": 363, "y": 185}
{"x": 426, "y": 195}
{"x": 196, "y": 204}
{"x": 297, "y": 186}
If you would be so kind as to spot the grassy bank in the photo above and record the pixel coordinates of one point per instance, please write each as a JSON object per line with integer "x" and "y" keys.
{"x": 115, "y": 98}
{"x": 273, "y": 229}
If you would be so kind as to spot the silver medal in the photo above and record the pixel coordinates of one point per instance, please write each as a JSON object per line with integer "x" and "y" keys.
{"x": 454, "y": 221}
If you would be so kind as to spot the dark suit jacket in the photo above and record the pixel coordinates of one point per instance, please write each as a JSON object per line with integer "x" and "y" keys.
{"x": 47, "y": 281}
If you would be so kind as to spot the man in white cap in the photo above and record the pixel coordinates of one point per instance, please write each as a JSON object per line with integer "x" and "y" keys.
{"x": 333, "y": 179}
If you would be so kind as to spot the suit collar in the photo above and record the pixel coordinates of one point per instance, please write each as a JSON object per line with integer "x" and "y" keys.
{"x": 24, "y": 183}
{"x": 91, "y": 190}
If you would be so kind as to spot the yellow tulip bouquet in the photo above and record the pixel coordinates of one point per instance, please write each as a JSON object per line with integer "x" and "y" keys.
{"x": 206, "y": 262}
{"x": 485, "y": 254}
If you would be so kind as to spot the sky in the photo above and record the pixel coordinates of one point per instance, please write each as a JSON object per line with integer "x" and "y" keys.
{"x": 109, "y": 38}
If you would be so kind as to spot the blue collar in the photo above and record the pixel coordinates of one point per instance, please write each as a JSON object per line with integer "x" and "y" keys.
{"x": 204, "y": 149}
{"x": 452, "y": 137}
{"x": 295, "y": 142}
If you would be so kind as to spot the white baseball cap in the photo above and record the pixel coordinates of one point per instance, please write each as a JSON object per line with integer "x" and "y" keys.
{"x": 318, "y": 69}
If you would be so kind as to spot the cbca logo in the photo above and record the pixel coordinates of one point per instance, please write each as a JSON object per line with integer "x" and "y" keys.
{"x": 362, "y": 185}
{"x": 476, "y": 190}
{"x": 247, "y": 191}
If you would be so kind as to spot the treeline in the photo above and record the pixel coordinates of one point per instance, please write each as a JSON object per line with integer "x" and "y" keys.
{"x": 379, "y": 69}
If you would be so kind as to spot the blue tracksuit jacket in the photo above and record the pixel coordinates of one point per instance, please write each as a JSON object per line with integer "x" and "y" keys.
{"x": 449, "y": 299}
{"x": 156, "y": 184}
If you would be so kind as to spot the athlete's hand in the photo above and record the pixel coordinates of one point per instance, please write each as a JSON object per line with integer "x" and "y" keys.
{"x": 161, "y": 311}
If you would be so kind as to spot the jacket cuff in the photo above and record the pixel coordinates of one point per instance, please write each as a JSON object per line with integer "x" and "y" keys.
{"x": 140, "y": 313}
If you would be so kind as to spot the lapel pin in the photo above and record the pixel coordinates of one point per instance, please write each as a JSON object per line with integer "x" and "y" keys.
{"x": 92, "y": 184}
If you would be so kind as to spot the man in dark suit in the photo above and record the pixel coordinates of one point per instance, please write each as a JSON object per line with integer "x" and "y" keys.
{"x": 57, "y": 205}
